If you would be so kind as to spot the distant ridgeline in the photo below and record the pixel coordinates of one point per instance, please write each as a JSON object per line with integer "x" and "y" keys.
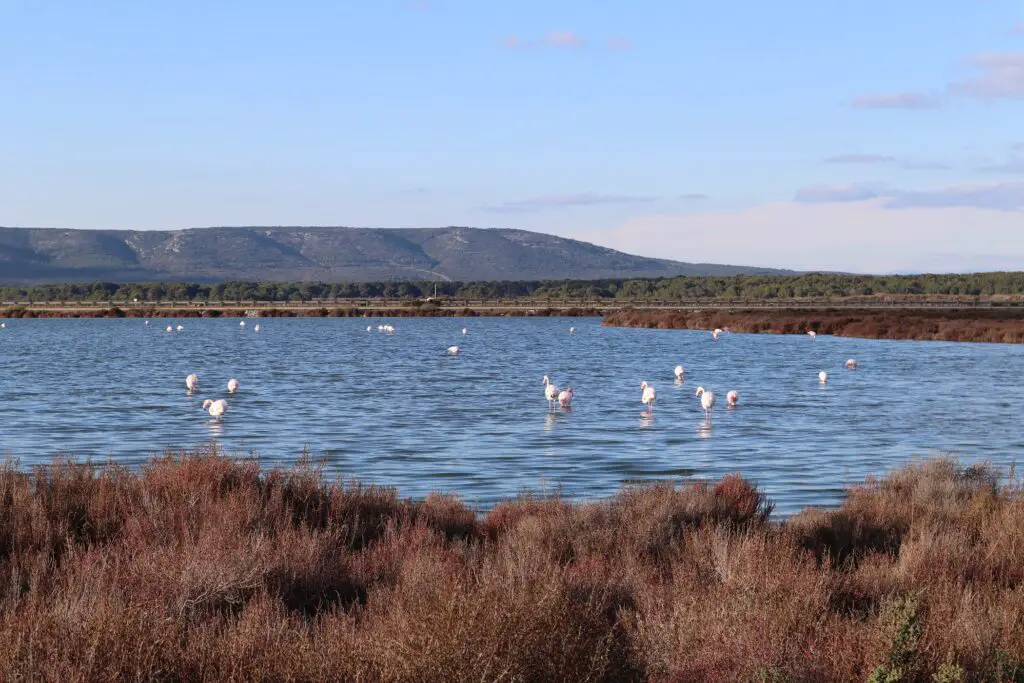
{"x": 686, "y": 288}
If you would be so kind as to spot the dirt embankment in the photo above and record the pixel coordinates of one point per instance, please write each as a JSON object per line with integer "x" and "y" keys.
{"x": 411, "y": 312}
{"x": 959, "y": 325}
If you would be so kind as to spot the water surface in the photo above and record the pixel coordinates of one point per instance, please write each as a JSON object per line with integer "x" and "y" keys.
{"x": 395, "y": 410}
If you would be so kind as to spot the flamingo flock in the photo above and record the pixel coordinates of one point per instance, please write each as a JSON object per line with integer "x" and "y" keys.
{"x": 554, "y": 396}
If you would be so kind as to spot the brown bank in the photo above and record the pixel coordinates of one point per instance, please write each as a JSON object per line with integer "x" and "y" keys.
{"x": 1002, "y": 325}
{"x": 292, "y": 312}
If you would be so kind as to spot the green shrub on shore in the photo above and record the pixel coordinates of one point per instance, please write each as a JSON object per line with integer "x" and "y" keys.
{"x": 199, "y": 567}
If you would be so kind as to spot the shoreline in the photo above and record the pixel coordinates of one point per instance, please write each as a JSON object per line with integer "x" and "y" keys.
{"x": 988, "y": 325}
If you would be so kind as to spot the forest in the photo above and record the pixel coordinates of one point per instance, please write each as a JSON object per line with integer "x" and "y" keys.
{"x": 687, "y": 288}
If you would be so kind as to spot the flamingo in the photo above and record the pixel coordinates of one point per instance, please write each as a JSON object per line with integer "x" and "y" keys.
{"x": 170, "y": 329}
{"x": 241, "y": 323}
{"x": 454, "y": 350}
{"x": 257, "y": 328}
{"x": 550, "y": 391}
{"x": 715, "y": 332}
{"x": 146, "y": 323}
{"x": 572, "y": 330}
{"x": 851, "y": 364}
{"x": 732, "y": 398}
{"x": 232, "y": 386}
{"x": 822, "y": 376}
{"x": 812, "y": 334}
{"x": 180, "y": 328}
{"x": 369, "y": 328}
{"x": 680, "y": 371}
{"x": 707, "y": 402}
{"x": 565, "y": 397}
{"x": 215, "y": 408}
{"x": 464, "y": 331}
{"x": 192, "y": 381}
{"x": 648, "y": 396}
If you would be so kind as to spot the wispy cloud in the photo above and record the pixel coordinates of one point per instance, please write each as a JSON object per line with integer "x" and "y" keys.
{"x": 896, "y": 100}
{"x": 885, "y": 159}
{"x": 565, "y": 201}
{"x": 1000, "y": 76}
{"x": 918, "y": 165}
{"x": 860, "y": 159}
{"x": 993, "y": 196}
{"x": 997, "y": 196}
{"x": 564, "y": 40}
{"x": 814, "y": 194}
{"x": 693, "y": 196}
{"x": 1011, "y": 164}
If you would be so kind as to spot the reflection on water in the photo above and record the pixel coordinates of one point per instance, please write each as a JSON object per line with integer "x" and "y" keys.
{"x": 396, "y": 409}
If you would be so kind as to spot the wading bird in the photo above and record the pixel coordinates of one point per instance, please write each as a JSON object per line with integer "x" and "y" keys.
{"x": 732, "y": 398}
{"x": 647, "y": 396}
{"x": 822, "y": 376}
{"x": 232, "y": 386}
{"x": 851, "y": 364}
{"x": 680, "y": 372}
{"x": 215, "y": 408}
{"x": 550, "y": 391}
{"x": 565, "y": 398}
{"x": 707, "y": 402}
{"x": 454, "y": 350}
{"x": 812, "y": 334}
{"x": 192, "y": 381}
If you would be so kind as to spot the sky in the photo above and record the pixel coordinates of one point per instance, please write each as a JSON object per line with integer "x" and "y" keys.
{"x": 856, "y": 135}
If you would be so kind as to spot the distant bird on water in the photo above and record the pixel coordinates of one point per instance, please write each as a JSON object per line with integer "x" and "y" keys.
{"x": 454, "y": 350}
{"x": 822, "y": 376}
{"x": 572, "y": 330}
{"x": 192, "y": 381}
{"x": 851, "y": 364}
{"x": 241, "y": 323}
{"x": 732, "y": 398}
{"x": 680, "y": 372}
{"x": 170, "y": 329}
{"x": 707, "y": 402}
{"x": 180, "y": 328}
{"x": 215, "y": 408}
{"x": 464, "y": 331}
{"x": 232, "y": 386}
{"x": 715, "y": 332}
{"x": 257, "y": 328}
{"x": 812, "y": 334}
{"x": 647, "y": 396}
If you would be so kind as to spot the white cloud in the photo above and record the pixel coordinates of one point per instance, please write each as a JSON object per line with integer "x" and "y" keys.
{"x": 859, "y": 236}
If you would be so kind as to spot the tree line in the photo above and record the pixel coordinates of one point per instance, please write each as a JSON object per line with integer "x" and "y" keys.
{"x": 687, "y": 288}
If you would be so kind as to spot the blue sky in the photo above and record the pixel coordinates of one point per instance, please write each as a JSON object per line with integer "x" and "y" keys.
{"x": 861, "y": 135}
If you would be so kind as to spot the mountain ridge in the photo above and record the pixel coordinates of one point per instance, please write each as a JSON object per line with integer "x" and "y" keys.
{"x": 278, "y": 253}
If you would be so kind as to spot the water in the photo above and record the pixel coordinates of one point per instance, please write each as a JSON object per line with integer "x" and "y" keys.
{"x": 395, "y": 410}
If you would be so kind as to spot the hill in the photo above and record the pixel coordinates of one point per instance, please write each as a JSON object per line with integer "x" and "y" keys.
{"x": 35, "y": 255}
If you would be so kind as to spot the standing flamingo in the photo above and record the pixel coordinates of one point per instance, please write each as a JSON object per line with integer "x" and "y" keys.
{"x": 715, "y": 332}
{"x": 241, "y": 323}
{"x": 216, "y": 408}
{"x": 257, "y": 328}
{"x": 565, "y": 397}
{"x": 232, "y": 386}
{"x": 732, "y": 398}
{"x": 572, "y": 330}
{"x": 707, "y": 402}
{"x": 851, "y": 364}
{"x": 812, "y": 334}
{"x": 192, "y": 381}
{"x": 648, "y": 396}
{"x": 680, "y": 372}
{"x": 465, "y": 331}
{"x": 550, "y": 391}
{"x": 454, "y": 350}
{"x": 822, "y": 376}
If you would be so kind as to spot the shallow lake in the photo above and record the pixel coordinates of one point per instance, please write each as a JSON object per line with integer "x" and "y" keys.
{"x": 395, "y": 410}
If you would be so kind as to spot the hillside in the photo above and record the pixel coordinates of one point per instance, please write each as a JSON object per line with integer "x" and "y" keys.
{"x": 34, "y": 255}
